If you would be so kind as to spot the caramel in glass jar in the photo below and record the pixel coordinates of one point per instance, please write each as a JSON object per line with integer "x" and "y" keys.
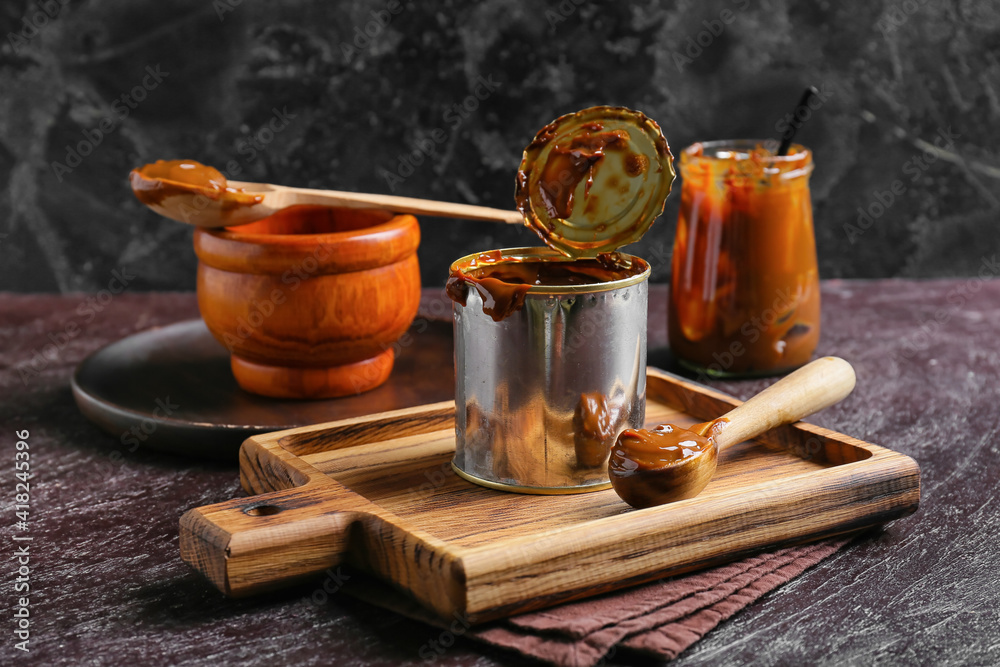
{"x": 744, "y": 294}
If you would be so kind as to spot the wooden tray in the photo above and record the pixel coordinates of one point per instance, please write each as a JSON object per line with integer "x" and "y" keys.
{"x": 378, "y": 493}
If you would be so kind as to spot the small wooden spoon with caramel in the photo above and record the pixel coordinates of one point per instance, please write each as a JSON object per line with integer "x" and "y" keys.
{"x": 669, "y": 463}
{"x": 199, "y": 195}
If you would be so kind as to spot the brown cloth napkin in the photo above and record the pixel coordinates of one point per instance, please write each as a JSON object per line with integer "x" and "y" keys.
{"x": 660, "y": 619}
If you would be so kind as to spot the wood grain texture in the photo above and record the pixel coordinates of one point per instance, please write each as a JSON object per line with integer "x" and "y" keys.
{"x": 277, "y": 197}
{"x": 377, "y": 493}
{"x": 191, "y": 204}
{"x": 311, "y": 300}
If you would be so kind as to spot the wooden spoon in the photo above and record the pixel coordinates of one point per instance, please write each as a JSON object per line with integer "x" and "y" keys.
{"x": 189, "y": 192}
{"x": 669, "y": 463}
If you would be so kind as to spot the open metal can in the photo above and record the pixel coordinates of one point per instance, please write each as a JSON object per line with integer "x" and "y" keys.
{"x": 542, "y": 394}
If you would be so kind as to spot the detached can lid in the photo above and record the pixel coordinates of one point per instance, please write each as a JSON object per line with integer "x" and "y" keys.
{"x": 595, "y": 180}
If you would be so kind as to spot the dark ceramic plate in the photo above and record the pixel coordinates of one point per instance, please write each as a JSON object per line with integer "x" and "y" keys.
{"x": 171, "y": 389}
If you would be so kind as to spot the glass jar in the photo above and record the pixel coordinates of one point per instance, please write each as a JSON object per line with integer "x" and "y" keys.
{"x": 744, "y": 292}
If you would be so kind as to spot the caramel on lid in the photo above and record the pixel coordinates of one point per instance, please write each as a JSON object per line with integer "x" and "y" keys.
{"x": 594, "y": 180}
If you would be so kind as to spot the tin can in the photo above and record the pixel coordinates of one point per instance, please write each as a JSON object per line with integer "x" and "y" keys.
{"x": 542, "y": 394}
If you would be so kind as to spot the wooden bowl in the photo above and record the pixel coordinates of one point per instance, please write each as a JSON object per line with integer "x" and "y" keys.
{"x": 310, "y": 301}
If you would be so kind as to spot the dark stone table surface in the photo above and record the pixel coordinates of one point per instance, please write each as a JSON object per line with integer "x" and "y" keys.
{"x": 107, "y": 586}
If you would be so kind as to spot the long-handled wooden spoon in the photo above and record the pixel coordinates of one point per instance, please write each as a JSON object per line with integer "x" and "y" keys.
{"x": 669, "y": 463}
{"x": 190, "y": 192}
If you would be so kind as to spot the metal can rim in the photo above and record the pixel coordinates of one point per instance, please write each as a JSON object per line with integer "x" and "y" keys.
{"x": 554, "y": 255}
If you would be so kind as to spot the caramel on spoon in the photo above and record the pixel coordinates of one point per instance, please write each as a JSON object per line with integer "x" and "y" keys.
{"x": 670, "y": 463}
{"x": 196, "y": 194}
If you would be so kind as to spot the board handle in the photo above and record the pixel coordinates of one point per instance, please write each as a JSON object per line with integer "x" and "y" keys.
{"x": 250, "y": 545}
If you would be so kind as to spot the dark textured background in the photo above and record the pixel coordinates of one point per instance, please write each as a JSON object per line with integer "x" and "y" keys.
{"x": 890, "y": 93}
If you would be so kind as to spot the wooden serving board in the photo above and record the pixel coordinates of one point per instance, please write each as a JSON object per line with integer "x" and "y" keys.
{"x": 378, "y": 493}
